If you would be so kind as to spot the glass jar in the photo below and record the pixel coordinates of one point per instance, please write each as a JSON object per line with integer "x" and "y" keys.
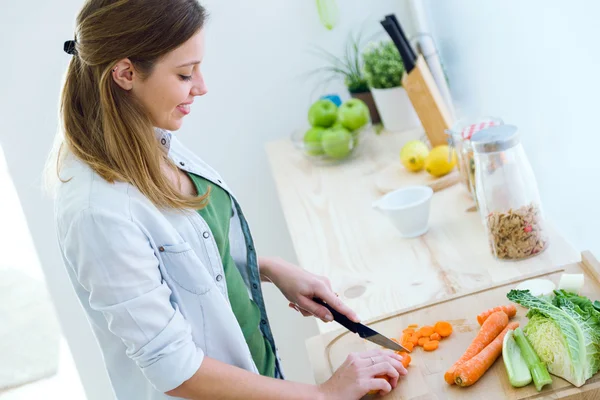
{"x": 507, "y": 193}
{"x": 460, "y": 139}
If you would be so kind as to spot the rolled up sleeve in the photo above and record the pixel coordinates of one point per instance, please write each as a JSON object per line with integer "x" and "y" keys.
{"x": 113, "y": 260}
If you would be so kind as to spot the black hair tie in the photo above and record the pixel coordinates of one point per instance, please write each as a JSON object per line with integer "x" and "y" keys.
{"x": 69, "y": 47}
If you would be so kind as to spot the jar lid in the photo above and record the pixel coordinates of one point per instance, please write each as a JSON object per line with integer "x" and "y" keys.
{"x": 495, "y": 138}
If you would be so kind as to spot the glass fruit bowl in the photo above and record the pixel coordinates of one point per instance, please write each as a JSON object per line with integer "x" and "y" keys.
{"x": 329, "y": 145}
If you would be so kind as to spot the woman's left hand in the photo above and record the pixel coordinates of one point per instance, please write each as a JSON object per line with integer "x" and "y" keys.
{"x": 300, "y": 286}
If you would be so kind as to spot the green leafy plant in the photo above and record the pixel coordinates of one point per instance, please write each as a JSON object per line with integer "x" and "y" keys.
{"x": 383, "y": 67}
{"x": 348, "y": 67}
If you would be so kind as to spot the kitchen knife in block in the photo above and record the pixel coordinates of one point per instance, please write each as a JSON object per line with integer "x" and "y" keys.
{"x": 428, "y": 102}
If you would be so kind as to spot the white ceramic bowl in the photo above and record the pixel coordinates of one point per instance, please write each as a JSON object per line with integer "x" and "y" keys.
{"x": 407, "y": 209}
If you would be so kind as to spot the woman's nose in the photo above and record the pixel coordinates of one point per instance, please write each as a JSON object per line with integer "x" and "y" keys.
{"x": 199, "y": 89}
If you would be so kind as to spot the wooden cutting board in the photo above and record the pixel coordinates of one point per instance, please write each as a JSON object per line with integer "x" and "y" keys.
{"x": 396, "y": 176}
{"x": 425, "y": 379}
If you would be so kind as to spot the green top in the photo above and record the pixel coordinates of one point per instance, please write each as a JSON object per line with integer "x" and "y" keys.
{"x": 217, "y": 215}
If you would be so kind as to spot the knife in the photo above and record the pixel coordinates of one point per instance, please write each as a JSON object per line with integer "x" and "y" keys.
{"x": 420, "y": 86}
{"x": 362, "y": 330}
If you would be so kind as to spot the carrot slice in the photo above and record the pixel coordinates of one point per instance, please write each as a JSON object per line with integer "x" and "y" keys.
{"x": 435, "y": 336}
{"x": 405, "y": 337}
{"x": 443, "y": 328}
{"x": 408, "y": 330}
{"x": 405, "y": 359}
{"x": 409, "y": 346}
{"x": 470, "y": 372}
{"x": 413, "y": 326}
{"x": 418, "y": 334}
{"x": 490, "y": 329}
{"x": 427, "y": 331}
{"x": 509, "y": 309}
{"x": 414, "y": 339}
{"x": 423, "y": 340}
{"x": 431, "y": 345}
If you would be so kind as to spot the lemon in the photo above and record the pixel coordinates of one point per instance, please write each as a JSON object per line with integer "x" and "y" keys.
{"x": 439, "y": 162}
{"x": 413, "y": 155}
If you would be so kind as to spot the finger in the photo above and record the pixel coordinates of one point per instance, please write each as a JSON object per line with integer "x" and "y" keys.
{"x": 380, "y": 385}
{"x": 330, "y": 298}
{"x": 382, "y": 369}
{"x": 327, "y": 282}
{"x": 316, "y": 309}
{"x": 365, "y": 362}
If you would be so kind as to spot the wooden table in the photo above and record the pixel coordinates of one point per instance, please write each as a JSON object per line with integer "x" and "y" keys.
{"x": 337, "y": 233}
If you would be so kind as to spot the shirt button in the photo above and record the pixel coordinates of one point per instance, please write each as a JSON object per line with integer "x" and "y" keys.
{"x": 218, "y": 180}
{"x": 181, "y": 163}
{"x": 206, "y": 235}
{"x": 219, "y": 278}
{"x": 163, "y": 141}
{"x": 255, "y": 286}
{"x": 263, "y": 322}
{"x": 161, "y": 249}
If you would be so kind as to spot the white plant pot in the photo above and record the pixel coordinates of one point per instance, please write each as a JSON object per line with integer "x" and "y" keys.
{"x": 396, "y": 110}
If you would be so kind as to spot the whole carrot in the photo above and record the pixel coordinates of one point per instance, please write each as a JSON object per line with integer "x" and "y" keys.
{"x": 509, "y": 309}
{"x": 469, "y": 372}
{"x": 490, "y": 329}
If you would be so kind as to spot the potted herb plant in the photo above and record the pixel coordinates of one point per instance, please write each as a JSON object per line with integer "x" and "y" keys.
{"x": 348, "y": 68}
{"x": 383, "y": 70}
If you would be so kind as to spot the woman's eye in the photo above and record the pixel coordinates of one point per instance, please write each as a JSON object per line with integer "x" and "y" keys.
{"x": 185, "y": 77}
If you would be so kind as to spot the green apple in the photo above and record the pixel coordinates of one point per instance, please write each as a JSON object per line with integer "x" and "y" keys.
{"x": 322, "y": 113}
{"x": 337, "y": 143}
{"x": 312, "y": 141}
{"x": 353, "y": 114}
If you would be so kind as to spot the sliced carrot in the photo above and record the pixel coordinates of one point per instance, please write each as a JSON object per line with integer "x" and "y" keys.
{"x": 470, "y": 372}
{"x": 414, "y": 339}
{"x": 405, "y": 359}
{"x": 418, "y": 334}
{"x": 409, "y": 346}
{"x": 431, "y": 345}
{"x": 413, "y": 326}
{"x": 490, "y": 329}
{"x": 427, "y": 331}
{"x": 435, "y": 336}
{"x": 443, "y": 328}
{"x": 423, "y": 340}
{"x": 405, "y": 337}
{"x": 509, "y": 309}
{"x": 408, "y": 330}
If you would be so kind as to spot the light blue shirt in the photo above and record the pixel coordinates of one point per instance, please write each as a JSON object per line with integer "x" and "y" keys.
{"x": 151, "y": 281}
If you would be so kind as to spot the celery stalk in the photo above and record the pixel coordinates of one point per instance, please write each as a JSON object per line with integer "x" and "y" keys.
{"x": 516, "y": 368}
{"x": 538, "y": 369}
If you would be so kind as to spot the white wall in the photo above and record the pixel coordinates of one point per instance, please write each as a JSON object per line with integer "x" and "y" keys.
{"x": 256, "y": 55}
{"x": 535, "y": 64}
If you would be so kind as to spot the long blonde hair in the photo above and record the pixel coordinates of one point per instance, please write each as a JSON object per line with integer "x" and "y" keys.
{"x": 104, "y": 125}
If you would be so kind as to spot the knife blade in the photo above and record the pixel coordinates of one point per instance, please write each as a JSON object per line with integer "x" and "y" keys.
{"x": 362, "y": 330}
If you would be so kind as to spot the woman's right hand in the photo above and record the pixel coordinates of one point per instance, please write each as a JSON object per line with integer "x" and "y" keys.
{"x": 357, "y": 375}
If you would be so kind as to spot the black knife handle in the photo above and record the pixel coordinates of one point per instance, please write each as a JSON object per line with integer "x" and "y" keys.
{"x": 338, "y": 317}
{"x": 399, "y": 42}
{"x": 411, "y": 54}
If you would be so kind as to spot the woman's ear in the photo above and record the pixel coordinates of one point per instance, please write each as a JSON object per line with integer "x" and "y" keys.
{"x": 123, "y": 74}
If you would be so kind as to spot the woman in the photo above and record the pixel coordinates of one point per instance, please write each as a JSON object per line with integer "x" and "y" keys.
{"x": 155, "y": 243}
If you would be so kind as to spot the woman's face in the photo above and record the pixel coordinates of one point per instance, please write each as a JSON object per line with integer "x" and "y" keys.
{"x": 168, "y": 93}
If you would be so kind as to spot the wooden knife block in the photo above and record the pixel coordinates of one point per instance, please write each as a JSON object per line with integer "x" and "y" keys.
{"x": 428, "y": 102}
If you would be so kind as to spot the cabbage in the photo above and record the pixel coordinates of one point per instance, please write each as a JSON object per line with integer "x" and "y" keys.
{"x": 565, "y": 335}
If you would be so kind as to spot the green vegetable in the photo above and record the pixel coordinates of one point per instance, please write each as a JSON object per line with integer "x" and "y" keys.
{"x": 538, "y": 369}
{"x": 328, "y": 13}
{"x": 565, "y": 336}
{"x": 516, "y": 368}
